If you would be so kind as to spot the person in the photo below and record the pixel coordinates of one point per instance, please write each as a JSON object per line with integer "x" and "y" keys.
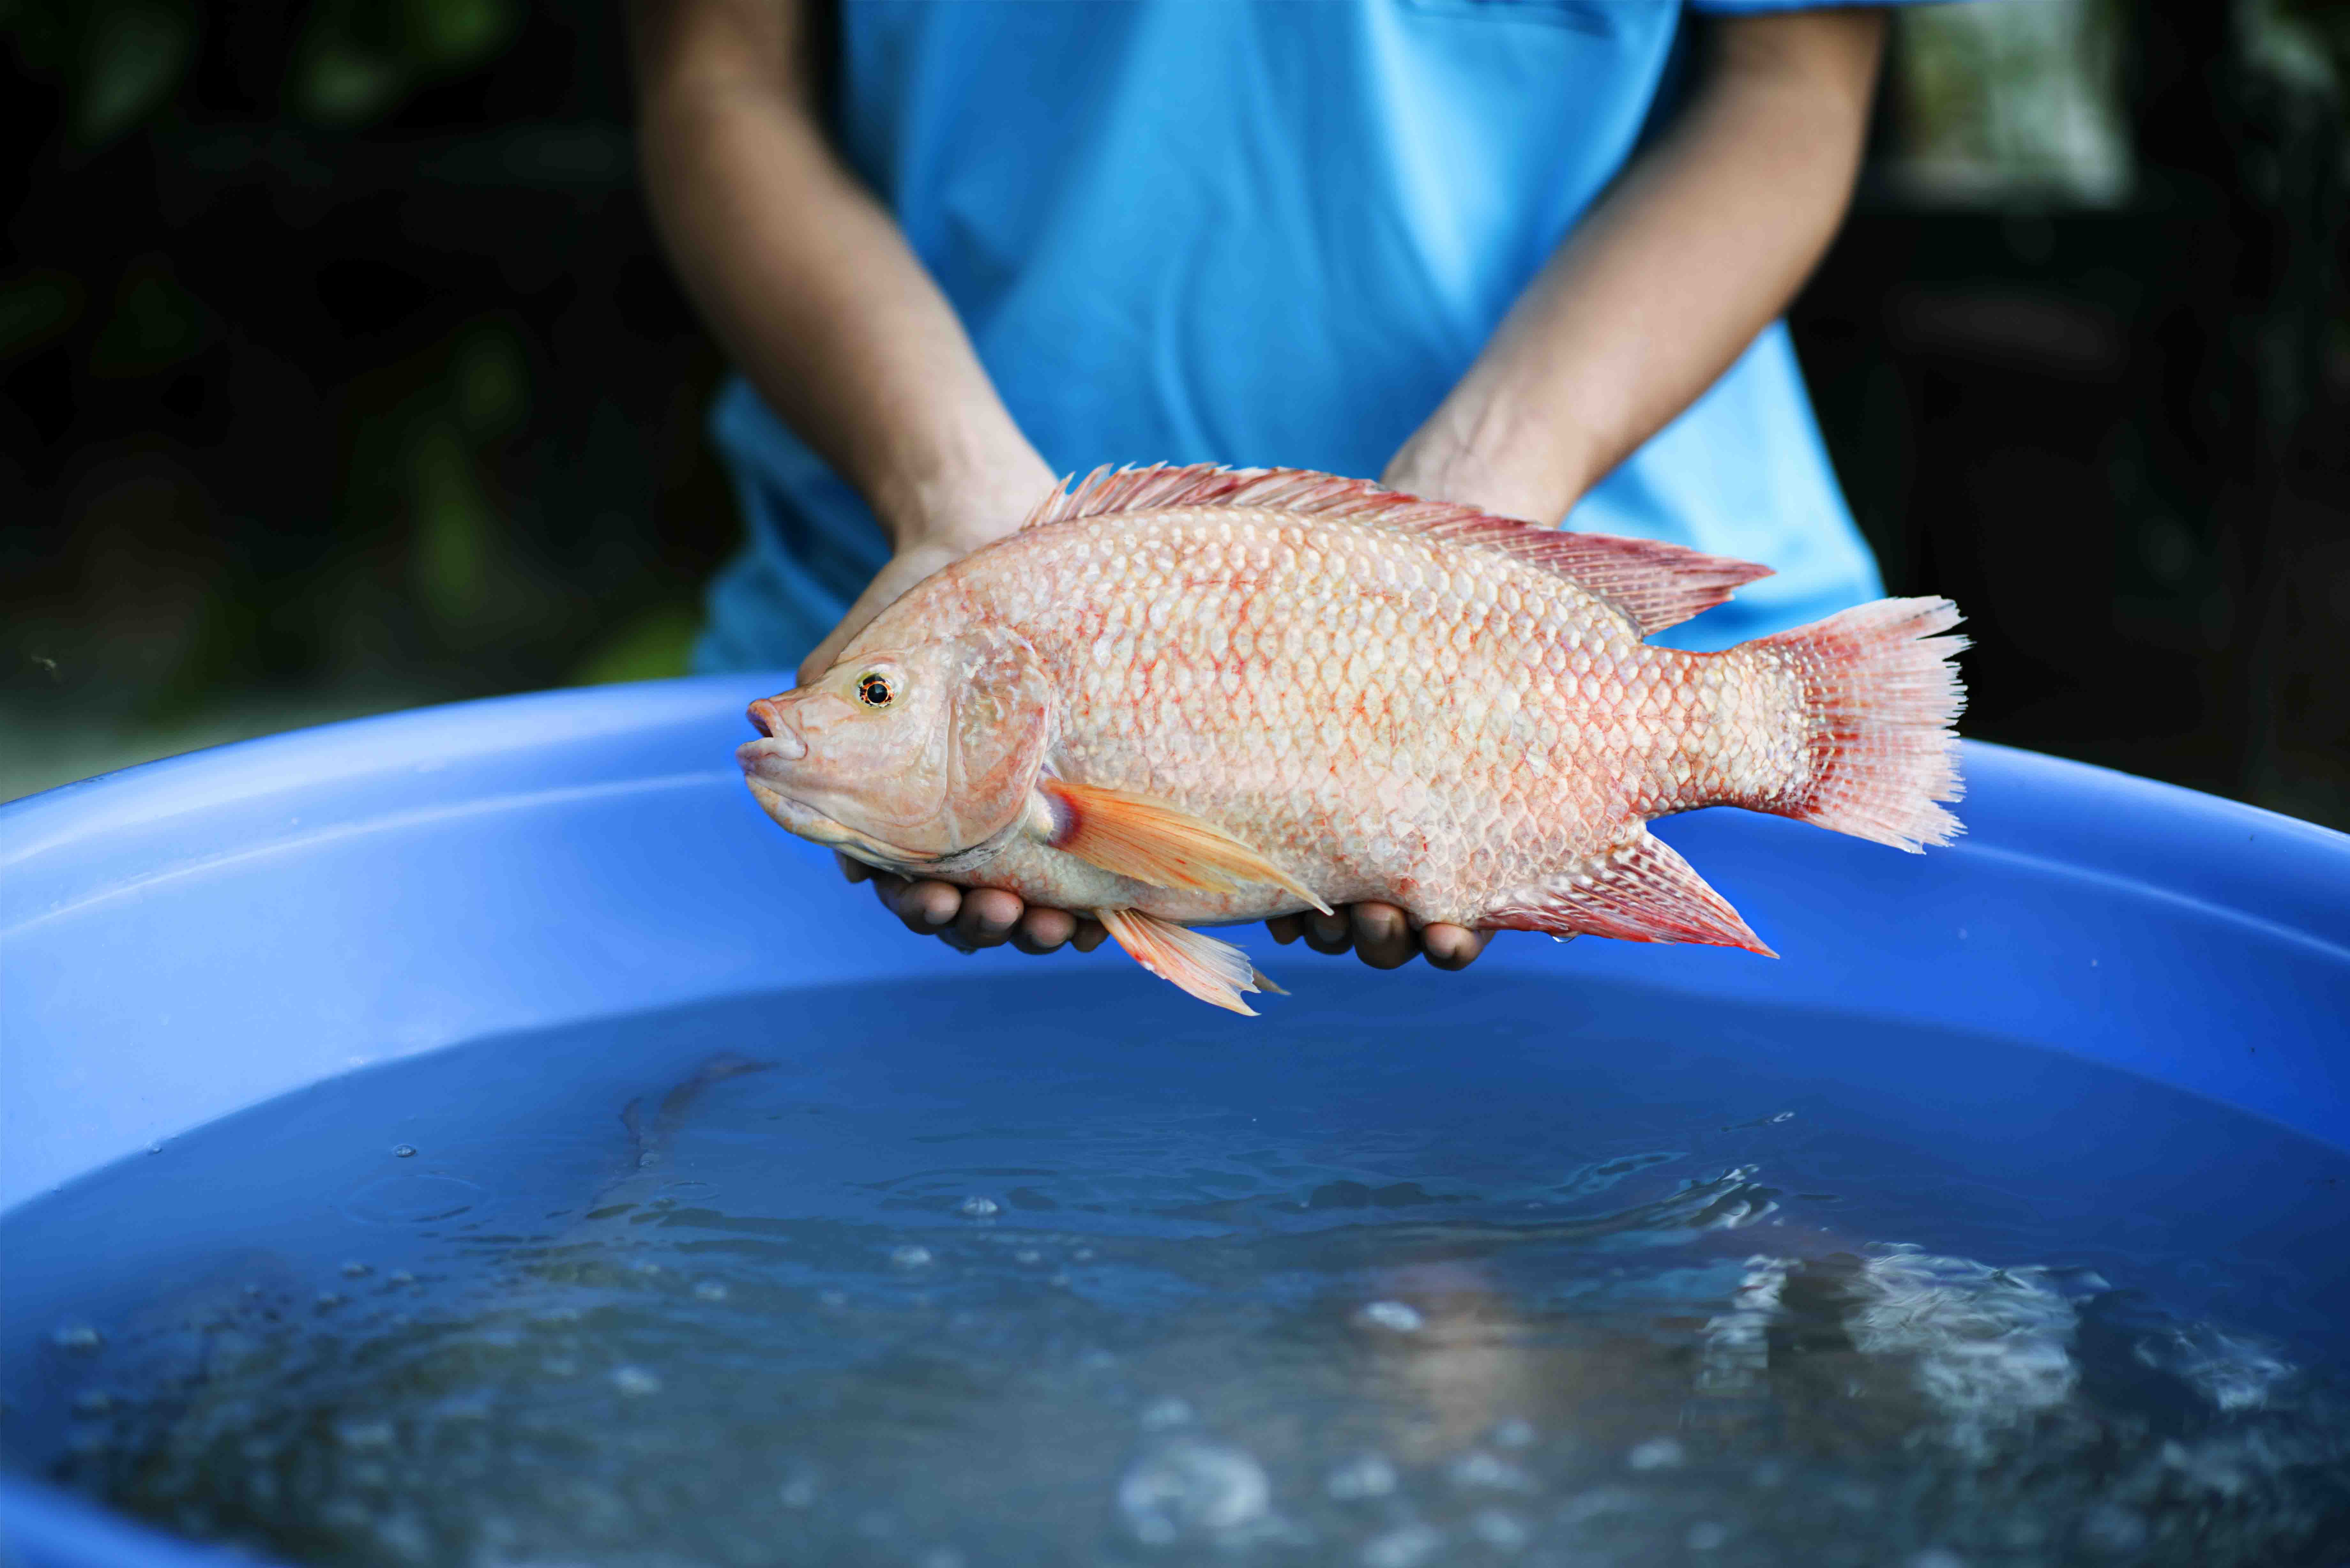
{"x": 1527, "y": 254}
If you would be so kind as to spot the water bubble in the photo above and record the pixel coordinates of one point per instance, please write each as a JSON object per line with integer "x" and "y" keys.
{"x": 1027, "y": 1255}
{"x": 1514, "y": 1433}
{"x": 400, "y": 1277}
{"x": 1364, "y": 1475}
{"x": 909, "y": 1256}
{"x": 1187, "y": 1485}
{"x": 355, "y": 1269}
{"x": 2113, "y": 1530}
{"x": 1480, "y": 1470}
{"x": 76, "y": 1337}
{"x": 1406, "y": 1546}
{"x": 976, "y": 1208}
{"x": 798, "y": 1488}
{"x": 1597, "y": 1503}
{"x": 1161, "y": 1414}
{"x": 710, "y": 1290}
{"x": 329, "y": 1300}
{"x": 635, "y": 1381}
{"x": 1501, "y": 1532}
{"x": 364, "y": 1434}
{"x": 403, "y": 1151}
{"x": 1398, "y": 1316}
{"x": 1657, "y": 1454}
{"x": 834, "y": 1299}
{"x": 1706, "y": 1535}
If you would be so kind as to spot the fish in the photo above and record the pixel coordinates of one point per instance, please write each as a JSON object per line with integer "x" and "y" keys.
{"x": 1190, "y": 696}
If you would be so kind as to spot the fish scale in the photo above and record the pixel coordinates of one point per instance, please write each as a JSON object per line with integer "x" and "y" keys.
{"x": 1181, "y": 696}
{"x": 1156, "y": 716}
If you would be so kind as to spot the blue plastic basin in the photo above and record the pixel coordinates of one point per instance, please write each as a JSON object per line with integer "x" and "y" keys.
{"x": 186, "y": 939}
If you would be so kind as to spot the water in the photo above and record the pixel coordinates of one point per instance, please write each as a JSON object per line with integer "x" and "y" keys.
{"x": 1518, "y": 1272}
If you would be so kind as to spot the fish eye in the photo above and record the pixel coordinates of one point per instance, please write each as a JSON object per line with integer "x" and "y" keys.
{"x": 873, "y": 689}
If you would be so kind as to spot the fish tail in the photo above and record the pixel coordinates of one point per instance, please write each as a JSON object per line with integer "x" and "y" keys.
{"x": 1878, "y": 697}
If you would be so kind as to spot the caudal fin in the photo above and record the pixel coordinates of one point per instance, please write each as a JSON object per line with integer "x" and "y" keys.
{"x": 1880, "y": 696}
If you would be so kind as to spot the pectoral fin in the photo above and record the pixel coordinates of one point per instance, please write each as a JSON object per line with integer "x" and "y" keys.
{"x": 1216, "y": 973}
{"x": 1131, "y": 836}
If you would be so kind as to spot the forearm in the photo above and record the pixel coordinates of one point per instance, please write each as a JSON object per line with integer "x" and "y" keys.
{"x": 1699, "y": 245}
{"x": 809, "y": 282}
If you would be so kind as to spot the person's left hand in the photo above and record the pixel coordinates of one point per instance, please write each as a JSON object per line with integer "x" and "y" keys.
{"x": 1381, "y": 935}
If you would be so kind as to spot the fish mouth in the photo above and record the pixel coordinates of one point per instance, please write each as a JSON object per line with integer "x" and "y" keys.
{"x": 796, "y": 816}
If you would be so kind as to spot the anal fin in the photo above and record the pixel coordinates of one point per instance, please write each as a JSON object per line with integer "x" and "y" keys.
{"x": 1132, "y": 837}
{"x": 1640, "y": 892}
{"x": 1214, "y": 971}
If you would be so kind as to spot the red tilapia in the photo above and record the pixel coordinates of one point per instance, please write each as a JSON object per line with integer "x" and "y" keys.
{"x": 1193, "y": 696}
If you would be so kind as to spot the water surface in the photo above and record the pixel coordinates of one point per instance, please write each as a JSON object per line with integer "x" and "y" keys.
{"x": 1523, "y": 1271}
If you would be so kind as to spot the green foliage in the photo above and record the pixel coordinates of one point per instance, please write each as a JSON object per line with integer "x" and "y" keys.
{"x": 118, "y": 61}
{"x": 488, "y": 381}
{"x": 35, "y": 308}
{"x": 358, "y": 61}
{"x": 656, "y": 645}
{"x": 134, "y": 54}
{"x": 455, "y": 526}
{"x": 155, "y": 325}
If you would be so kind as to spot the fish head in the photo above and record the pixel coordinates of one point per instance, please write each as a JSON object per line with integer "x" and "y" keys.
{"x": 913, "y": 750}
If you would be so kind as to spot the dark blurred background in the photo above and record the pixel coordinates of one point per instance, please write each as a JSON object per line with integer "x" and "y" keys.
{"x": 339, "y": 372}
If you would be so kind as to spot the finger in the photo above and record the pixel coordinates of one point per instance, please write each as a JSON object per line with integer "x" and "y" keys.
{"x": 887, "y": 888}
{"x": 1285, "y": 929}
{"x": 1091, "y": 934}
{"x": 855, "y": 870}
{"x": 927, "y": 907}
{"x": 987, "y": 916}
{"x": 1452, "y": 947}
{"x": 1332, "y": 933}
{"x": 1382, "y": 936}
{"x": 1041, "y": 930}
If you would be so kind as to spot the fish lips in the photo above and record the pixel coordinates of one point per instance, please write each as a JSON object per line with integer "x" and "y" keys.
{"x": 766, "y": 768}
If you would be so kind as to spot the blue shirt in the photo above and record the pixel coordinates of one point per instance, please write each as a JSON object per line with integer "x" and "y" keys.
{"x": 1265, "y": 233}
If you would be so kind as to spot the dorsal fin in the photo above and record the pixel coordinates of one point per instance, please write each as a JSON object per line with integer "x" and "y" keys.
{"x": 1656, "y": 584}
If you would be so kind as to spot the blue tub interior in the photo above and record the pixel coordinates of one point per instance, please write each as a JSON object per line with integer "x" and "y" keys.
{"x": 189, "y": 940}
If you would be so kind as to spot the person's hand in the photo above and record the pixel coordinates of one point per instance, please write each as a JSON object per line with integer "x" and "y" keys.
{"x": 935, "y": 524}
{"x": 969, "y": 919}
{"x": 1381, "y": 935}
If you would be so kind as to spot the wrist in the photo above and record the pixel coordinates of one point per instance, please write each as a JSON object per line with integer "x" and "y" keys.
{"x": 1496, "y": 459}
{"x": 962, "y": 501}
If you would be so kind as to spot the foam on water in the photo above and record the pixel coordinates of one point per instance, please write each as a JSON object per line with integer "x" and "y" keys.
{"x": 1517, "y": 1275}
